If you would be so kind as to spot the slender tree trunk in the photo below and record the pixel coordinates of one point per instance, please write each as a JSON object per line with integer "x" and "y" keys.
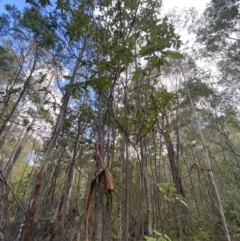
{"x": 229, "y": 144}
{"x": 126, "y": 191}
{"x": 146, "y": 187}
{"x": 63, "y": 209}
{"x": 100, "y": 190}
{"x": 25, "y": 87}
{"x": 174, "y": 170}
{"x": 23, "y": 140}
{"x": 209, "y": 167}
{"x": 126, "y": 173}
{"x": 173, "y": 160}
{"x": 139, "y": 210}
{"x": 34, "y": 201}
{"x": 16, "y": 155}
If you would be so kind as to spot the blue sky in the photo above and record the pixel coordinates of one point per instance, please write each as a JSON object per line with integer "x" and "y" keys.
{"x": 19, "y": 3}
{"x": 200, "y": 5}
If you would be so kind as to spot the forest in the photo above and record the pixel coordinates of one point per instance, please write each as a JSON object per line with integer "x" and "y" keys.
{"x": 114, "y": 126}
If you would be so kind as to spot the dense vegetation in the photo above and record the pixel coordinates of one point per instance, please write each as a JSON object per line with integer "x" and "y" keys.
{"x": 113, "y": 128}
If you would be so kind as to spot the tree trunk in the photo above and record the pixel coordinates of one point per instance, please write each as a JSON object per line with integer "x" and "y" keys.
{"x": 25, "y": 87}
{"x": 146, "y": 187}
{"x": 34, "y": 201}
{"x": 208, "y": 165}
{"x": 100, "y": 190}
{"x": 126, "y": 191}
{"x": 173, "y": 160}
{"x": 140, "y": 210}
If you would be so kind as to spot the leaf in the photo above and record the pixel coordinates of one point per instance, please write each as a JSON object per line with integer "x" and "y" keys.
{"x": 43, "y": 89}
{"x": 116, "y": 164}
{"x": 139, "y": 116}
{"x": 136, "y": 74}
{"x": 143, "y": 130}
{"x": 105, "y": 198}
{"x": 147, "y": 50}
{"x": 155, "y": 61}
{"x": 12, "y": 91}
{"x": 160, "y": 188}
{"x": 165, "y": 62}
{"x": 29, "y": 128}
{"x": 67, "y": 77}
{"x": 184, "y": 203}
{"x": 25, "y": 122}
{"x": 157, "y": 233}
{"x": 173, "y": 54}
{"x": 166, "y": 198}
{"x": 152, "y": 113}
{"x": 149, "y": 238}
{"x": 164, "y": 42}
{"x": 118, "y": 48}
{"x": 166, "y": 237}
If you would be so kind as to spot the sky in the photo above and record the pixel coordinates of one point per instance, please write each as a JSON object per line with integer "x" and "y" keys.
{"x": 200, "y": 4}
{"x": 19, "y": 3}
{"x": 168, "y": 4}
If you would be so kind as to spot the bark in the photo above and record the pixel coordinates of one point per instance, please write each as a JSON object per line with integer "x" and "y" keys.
{"x": 100, "y": 190}
{"x": 127, "y": 172}
{"x": 25, "y": 87}
{"x": 63, "y": 205}
{"x": 229, "y": 144}
{"x": 208, "y": 165}
{"x": 126, "y": 191}
{"x": 15, "y": 157}
{"x": 140, "y": 210}
{"x": 66, "y": 192}
{"x": 172, "y": 156}
{"x": 34, "y": 200}
{"x": 146, "y": 188}
{"x": 23, "y": 140}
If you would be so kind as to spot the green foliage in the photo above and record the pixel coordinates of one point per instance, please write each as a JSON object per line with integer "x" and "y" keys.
{"x": 106, "y": 197}
{"x": 127, "y": 50}
{"x": 160, "y": 237}
{"x": 6, "y": 59}
{"x": 220, "y": 23}
{"x": 168, "y": 193}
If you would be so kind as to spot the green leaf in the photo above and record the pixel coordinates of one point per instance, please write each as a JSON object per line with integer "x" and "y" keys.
{"x": 166, "y": 198}
{"x": 164, "y": 42}
{"x": 165, "y": 62}
{"x": 155, "y": 61}
{"x": 147, "y": 50}
{"x": 29, "y": 128}
{"x": 183, "y": 202}
{"x": 25, "y": 122}
{"x": 118, "y": 48}
{"x": 158, "y": 46}
{"x": 173, "y": 54}
{"x": 157, "y": 233}
{"x": 143, "y": 130}
{"x": 152, "y": 113}
{"x": 139, "y": 117}
{"x": 12, "y": 91}
{"x": 43, "y": 89}
{"x": 166, "y": 237}
{"x": 105, "y": 198}
{"x": 136, "y": 74}
{"x": 149, "y": 238}
{"x": 116, "y": 164}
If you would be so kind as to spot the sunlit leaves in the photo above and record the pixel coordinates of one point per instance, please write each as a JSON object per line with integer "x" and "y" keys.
{"x": 173, "y": 54}
{"x": 158, "y": 46}
{"x": 168, "y": 193}
{"x": 159, "y": 237}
